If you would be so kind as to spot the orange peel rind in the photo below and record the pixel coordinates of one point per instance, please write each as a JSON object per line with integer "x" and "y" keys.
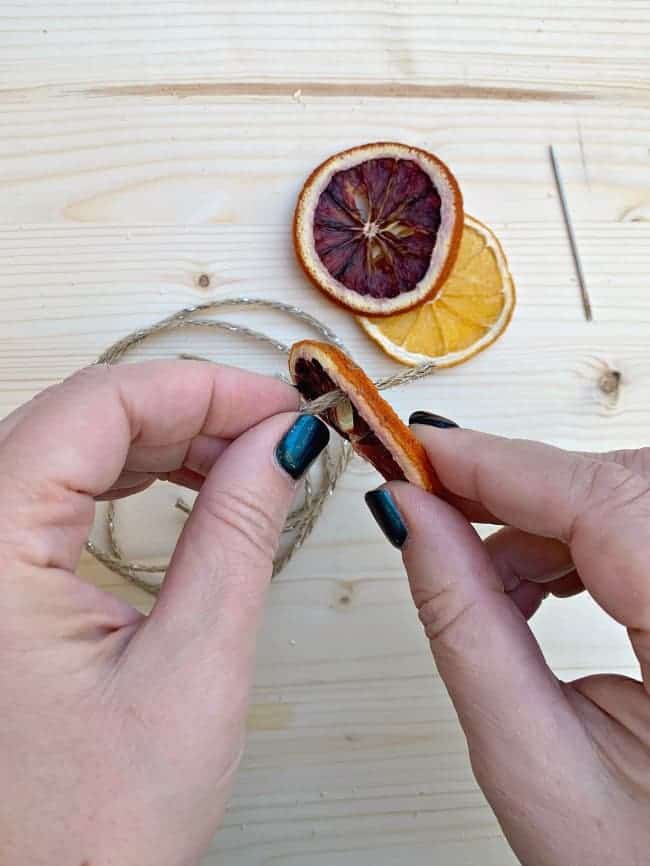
{"x": 364, "y": 418}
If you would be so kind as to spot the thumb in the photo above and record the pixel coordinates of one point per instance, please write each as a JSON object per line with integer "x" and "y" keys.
{"x": 505, "y": 695}
{"x": 202, "y": 630}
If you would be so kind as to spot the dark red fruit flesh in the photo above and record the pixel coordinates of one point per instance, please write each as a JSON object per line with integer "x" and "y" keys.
{"x": 375, "y": 226}
{"x": 312, "y": 381}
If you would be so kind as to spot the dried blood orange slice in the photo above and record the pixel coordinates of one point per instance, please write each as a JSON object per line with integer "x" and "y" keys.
{"x": 377, "y": 227}
{"x": 365, "y": 419}
{"x": 472, "y": 308}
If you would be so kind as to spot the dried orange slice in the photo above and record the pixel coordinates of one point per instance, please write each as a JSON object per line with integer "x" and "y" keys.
{"x": 377, "y": 227}
{"x": 472, "y": 308}
{"x": 365, "y": 419}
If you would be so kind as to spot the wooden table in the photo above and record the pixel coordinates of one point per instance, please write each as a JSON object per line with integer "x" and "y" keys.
{"x": 150, "y": 148}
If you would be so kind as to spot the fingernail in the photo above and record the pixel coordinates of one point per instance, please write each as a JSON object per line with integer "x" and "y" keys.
{"x": 301, "y": 444}
{"x": 431, "y": 420}
{"x": 383, "y": 509}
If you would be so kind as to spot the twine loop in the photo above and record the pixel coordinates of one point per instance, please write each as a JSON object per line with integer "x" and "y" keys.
{"x": 319, "y": 482}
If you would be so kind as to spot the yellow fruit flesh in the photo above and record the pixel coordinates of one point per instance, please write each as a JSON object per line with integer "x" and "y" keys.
{"x": 467, "y": 307}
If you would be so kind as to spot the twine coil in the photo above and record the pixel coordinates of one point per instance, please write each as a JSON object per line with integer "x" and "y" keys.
{"x": 330, "y": 465}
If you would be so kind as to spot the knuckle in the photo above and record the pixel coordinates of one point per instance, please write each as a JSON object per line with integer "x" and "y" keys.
{"x": 93, "y": 375}
{"x": 85, "y": 378}
{"x": 251, "y": 523}
{"x": 445, "y": 618}
{"x": 35, "y": 402}
{"x": 94, "y": 379}
{"x": 594, "y": 481}
{"x": 44, "y": 395}
{"x": 636, "y": 460}
{"x": 601, "y": 489}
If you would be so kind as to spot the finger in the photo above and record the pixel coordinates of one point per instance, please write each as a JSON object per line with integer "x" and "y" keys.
{"x": 565, "y": 587}
{"x": 10, "y": 421}
{"x": 636, "y": 459}
{"x": 621, "y": 698}
{"x": 640, "y": 640}
{"x": 203, "y": 453}
{"x": 74, "y": 442}
{"x": 521, "y": 556}
{"x": 186, "y": 478}
{"x": 528, "y": 597}
{"x": 472, "y": 510}
{"x": 599, "y": 508}
{"x": 509, "y": 703}
{"x": 117, "y": 492}
{"x": 203, "y": 627}
{"x": 522, "y": 559}
{"x": 237, "y": 518}
{"x": 129, "y": 479}
{"x": 186, "y": 466}
{"x": 527, "y": 565}
{"x": 183, "y": 477}
{"x": 198, "y": 454}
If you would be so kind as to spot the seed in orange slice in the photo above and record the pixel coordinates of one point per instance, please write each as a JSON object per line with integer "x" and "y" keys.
{"x": 364, "y": 418}
{"x": 377, "y": 227}
{"x": 472, "y": 308}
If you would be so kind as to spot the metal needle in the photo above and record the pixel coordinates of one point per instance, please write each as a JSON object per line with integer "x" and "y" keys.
{"x": 584, "y": 294}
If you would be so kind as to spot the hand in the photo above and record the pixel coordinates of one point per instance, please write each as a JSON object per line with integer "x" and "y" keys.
{"x": 565, "y": 766}
{"x": 119, "y": 733}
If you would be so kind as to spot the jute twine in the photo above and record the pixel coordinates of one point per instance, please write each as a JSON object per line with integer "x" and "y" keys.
{"x": 319, "y": 482}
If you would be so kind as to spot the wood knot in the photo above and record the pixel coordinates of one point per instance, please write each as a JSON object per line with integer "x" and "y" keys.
{"x": 610, "y": 382}
{"x": 204, "y": 281}
{"x": 345, "y": 593}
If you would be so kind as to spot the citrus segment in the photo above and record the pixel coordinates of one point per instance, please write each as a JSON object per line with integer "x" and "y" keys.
{"x": 397, "y": 328}
{"x": 377, "y": 227}
{"x": 471, "y": 309}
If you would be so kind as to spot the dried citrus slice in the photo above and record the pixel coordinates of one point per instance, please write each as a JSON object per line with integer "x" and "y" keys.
{"x": 365, "y": 419}
{"x": 470, "y": 311}
{"x": 377, "y": 227}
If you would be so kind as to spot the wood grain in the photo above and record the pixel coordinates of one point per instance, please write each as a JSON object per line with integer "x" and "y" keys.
{"x": 66, "y": 292}
{"x": 242, "y": 160}
{"x": 150, "y": 157}
{"x": 597, "y": 47}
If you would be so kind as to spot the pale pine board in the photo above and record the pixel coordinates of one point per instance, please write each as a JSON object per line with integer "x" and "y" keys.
{"x": 144, "y": 145}
{"x": 109, "y": 158}
{"x": 66, "y": 292}
{"x": 545, "y": 50}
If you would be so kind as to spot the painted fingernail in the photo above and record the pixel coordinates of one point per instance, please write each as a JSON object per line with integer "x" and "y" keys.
{"x": 301, "y": 444}
{"x": 431, "y": 420}
{"x": 383, "y": 509}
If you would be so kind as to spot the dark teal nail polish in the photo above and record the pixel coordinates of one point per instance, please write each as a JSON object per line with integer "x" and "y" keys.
{"x": 301, "y": 444}
{"x": 383, "y": 509}
{"x": 431, "y": 420}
